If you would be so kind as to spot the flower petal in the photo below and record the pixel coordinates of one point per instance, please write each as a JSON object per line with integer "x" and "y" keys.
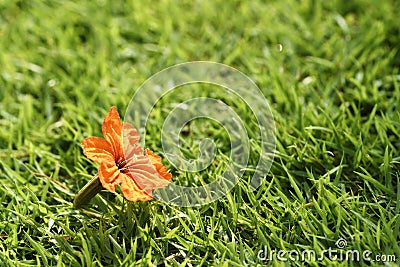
{"x": 145, "y": 174}
{"x": 130, "y": 133}
{"x": 131, "y": 191}
{"x": 97, "y": 149}
{"x": 156, "y": 161}
{"x": 130, "y": 141}
{"x": 111, "y": 121}
{"x": 112, "y": 131}
{"x": 109, "y": 175}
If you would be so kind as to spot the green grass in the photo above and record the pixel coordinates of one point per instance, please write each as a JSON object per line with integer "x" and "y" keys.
{"x": 334, "y": 91}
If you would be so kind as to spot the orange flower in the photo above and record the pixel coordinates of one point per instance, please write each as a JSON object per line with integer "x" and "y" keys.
{"x": 124, "y": 162}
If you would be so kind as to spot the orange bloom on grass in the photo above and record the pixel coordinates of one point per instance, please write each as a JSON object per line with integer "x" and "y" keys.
{"x": 124, "y": 162}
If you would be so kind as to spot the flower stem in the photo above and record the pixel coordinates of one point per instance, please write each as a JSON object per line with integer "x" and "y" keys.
{"x": 88, "y": 192}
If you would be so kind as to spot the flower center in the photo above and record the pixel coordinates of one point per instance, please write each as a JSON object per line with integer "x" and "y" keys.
{"x": 121, "y": 164}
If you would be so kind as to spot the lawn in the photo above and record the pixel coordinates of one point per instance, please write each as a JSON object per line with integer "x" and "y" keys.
{"x": 328, "y": 69}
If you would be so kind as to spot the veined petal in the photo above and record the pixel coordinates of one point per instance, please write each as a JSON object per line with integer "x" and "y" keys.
{"x": 130, "y": 133}
{"x": 115, "y": 139}
{"x": 148, "y": 183}
{"x": 130, "y": 140}
{"x": 131, "y": 191}
{"x": 111, "y": 121}
{"x": 144, "y": 174}
{"x": 109, "y": 175}
{"x": 97, "y": 149}
{"x": 112, "y": 131}
{"x": 130, "y": 151}
{"x": 161, "y": 169}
